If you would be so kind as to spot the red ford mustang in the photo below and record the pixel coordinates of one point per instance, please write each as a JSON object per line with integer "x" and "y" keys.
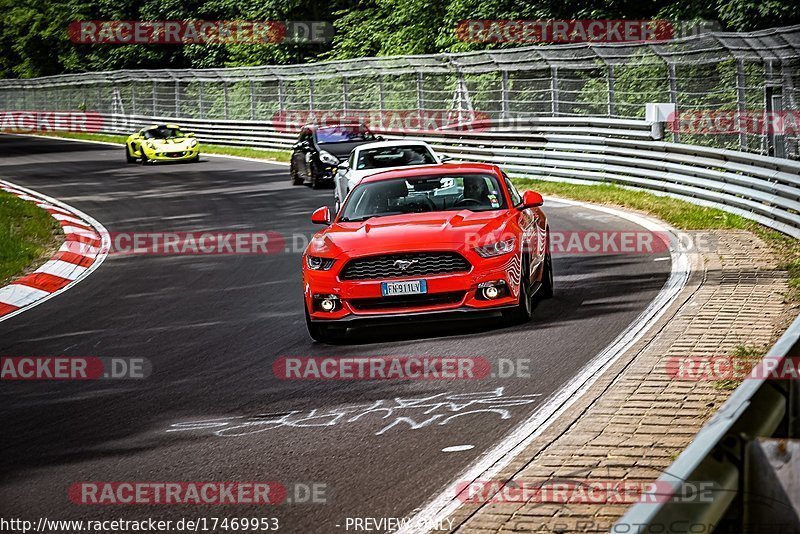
{"x": 425, "y": 241}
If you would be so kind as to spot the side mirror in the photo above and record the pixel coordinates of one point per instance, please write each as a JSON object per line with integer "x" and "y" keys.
{"x": 531, "y": 199}
{"x": 343, "y": 166}
{"x": 190, "y": 134}
{"x": 321, "y": 216}
{"x": 445, "y": 157}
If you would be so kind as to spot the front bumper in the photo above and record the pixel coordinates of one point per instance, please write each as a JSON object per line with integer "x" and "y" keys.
{"x": 457, "y": 294}
{"x": 162, "y": 154}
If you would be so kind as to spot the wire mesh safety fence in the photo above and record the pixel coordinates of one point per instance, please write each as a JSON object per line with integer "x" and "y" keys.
{"x": 710, "y": 75}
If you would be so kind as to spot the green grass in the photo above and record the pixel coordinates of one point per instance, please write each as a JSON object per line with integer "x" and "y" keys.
{"x": 256, "y": 153}
{"x": 744, "y": 359}
{"x": 680, "y": 214}
{"x": 28, "y": 236}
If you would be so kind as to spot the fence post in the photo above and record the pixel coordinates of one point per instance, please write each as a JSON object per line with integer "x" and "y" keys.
{"x": 381, "y": 95}
{"x": 420, "y": 92}
{"x": 252, "y": 100}
{"x": 177, "y": 98}
{"x": 133, "y": 98}
{"x": 741, "y": 104}
{"x": 200, "y": 107}
{"x": 673, "y": 97}
{"x": 311, "y": 94}
{"x": 281, "y": 96}
{"x": 612, "y": 97}
{"x": 345, "y": 93}
{"x": 225, "y": 99}
{"x": 505, "y": 104}
{"x": 554, "y": 91}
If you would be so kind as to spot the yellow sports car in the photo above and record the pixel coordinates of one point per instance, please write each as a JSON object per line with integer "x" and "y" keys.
{"x": 161, "y": 142}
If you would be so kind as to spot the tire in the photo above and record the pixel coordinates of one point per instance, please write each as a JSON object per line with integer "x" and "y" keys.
{"x": 296, "y": 180}
{"x": 324, "y": 333}
{"x": 195, "y": 159}
{"x": 128, "y": 157}
{"x": 314, "y": 182}
{"x": 523, "y": 312}
{"x": 546, "y": 289}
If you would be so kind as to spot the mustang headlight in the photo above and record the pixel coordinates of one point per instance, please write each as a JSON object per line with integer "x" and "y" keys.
{"x": 328, "y": 158}
{"x": 193, "y": 143}
{"x": 315, "y": 263}
{"x": 497, "y": 249}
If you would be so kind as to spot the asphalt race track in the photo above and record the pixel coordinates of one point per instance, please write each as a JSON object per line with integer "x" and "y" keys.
{"x": 212, "y": 326}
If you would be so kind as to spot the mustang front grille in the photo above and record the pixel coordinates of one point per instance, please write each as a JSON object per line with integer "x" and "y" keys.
{"x": 408, "y": 301}
{"x": 404, "y": 265}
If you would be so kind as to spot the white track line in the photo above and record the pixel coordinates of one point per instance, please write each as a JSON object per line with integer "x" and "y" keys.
{"x": 487, "y": 466}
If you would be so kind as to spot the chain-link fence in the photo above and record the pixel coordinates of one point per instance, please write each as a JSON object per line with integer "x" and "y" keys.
{"x": 710, "y": 78}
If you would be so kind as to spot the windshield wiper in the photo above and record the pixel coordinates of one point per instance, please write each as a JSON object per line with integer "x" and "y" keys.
{"x": 365, "y": 217}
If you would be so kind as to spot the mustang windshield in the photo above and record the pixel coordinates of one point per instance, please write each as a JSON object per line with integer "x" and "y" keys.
{"x": 394, "y": 156}
{"x": 420, "y": 194}
{"x": 163, "y": 133}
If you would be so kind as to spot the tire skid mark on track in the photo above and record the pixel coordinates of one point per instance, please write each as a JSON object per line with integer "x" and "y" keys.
{"x": 85, "y": 247}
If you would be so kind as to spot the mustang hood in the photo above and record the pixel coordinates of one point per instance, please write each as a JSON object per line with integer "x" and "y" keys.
{"x": 452, "y": 230}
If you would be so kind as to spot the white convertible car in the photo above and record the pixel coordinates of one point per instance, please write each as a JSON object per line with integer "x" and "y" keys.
{"x": 377, "y": 157}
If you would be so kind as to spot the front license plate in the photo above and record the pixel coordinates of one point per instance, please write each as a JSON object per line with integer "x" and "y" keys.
{"x": 410, "y": 287}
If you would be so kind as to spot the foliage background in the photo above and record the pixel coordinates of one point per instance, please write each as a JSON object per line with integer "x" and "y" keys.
{"x": 33, "y": 33}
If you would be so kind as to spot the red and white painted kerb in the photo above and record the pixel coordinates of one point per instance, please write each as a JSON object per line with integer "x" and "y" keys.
{"x": 85, "y": 247}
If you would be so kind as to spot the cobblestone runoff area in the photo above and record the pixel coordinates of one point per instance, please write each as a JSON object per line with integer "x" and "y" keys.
{"x": 637, "y": 418}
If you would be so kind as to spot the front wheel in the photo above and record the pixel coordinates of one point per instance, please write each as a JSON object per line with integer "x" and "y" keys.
{"x": 324, "y": 333}
{"x": 523, "y": 312}
{"x": 128, "y": 157}
{"x": 546, "y": 289}
{"x": 296, "y": 179}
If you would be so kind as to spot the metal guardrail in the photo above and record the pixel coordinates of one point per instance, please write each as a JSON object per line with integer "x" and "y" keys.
{"x": 588, "y": 150}
{"x": 718, "y": 454}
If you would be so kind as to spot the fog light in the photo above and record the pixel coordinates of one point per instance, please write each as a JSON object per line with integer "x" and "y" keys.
{"x": 327, "y": 303}
{"x": 491, "y": 292}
